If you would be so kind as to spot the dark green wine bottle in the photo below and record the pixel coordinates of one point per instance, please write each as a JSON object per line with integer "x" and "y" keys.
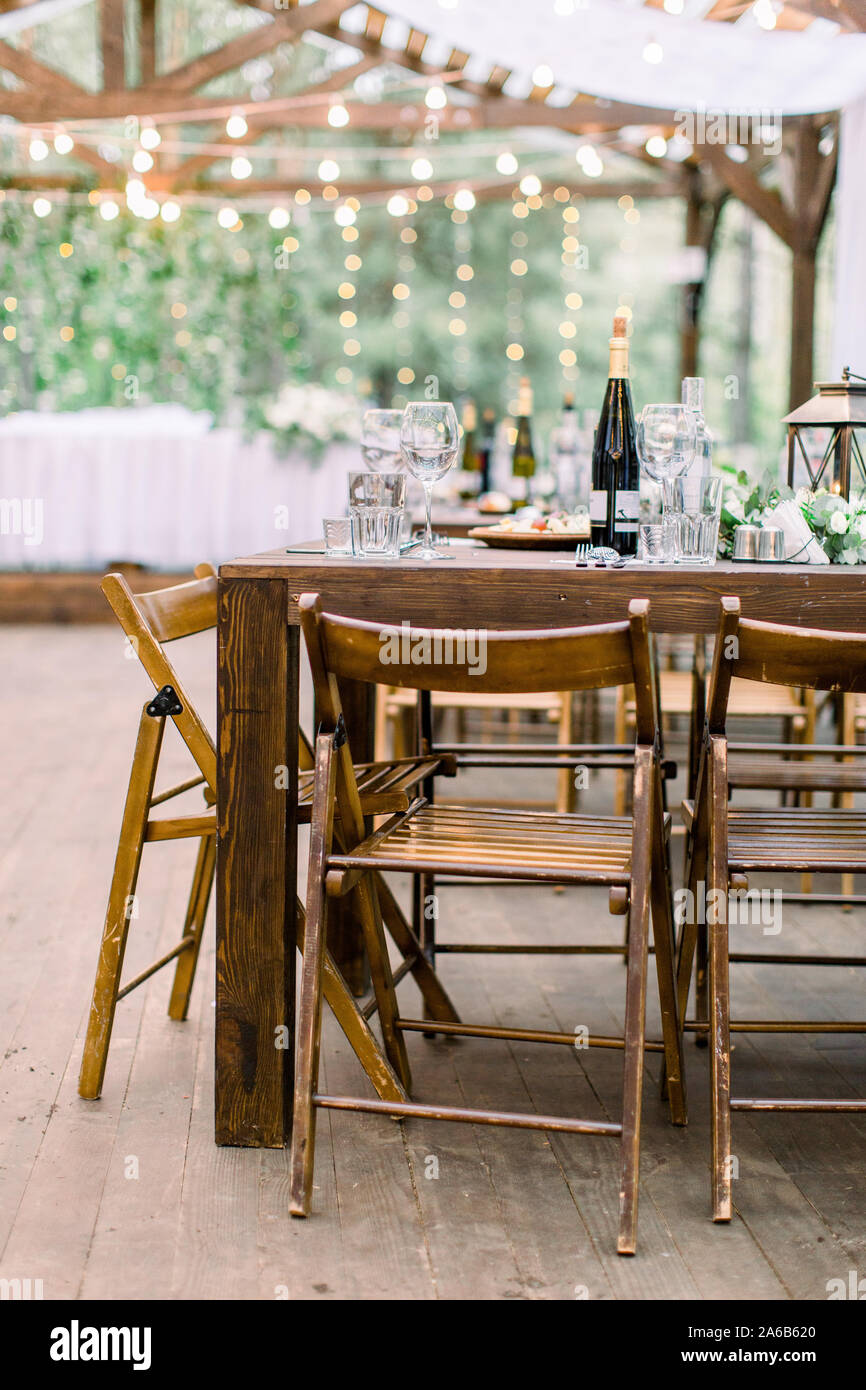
{"x": 614, "y": 503}
{"x": 523, "y": 457}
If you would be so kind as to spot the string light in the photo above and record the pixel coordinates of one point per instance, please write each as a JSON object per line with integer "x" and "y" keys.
{"x": 422, "y": 169}
{"x": 279, "y": 218}
{"x": 397, "y": 205}
{"x": 464, "y": 273}
{"x": 170, "y": 211}
{"x": 338, "y": 115}
{"x": 656, "y": 146}
{"x": 227, "y": 217}
{"x": 41, "y": 207}
{"x": 236, "y": 127}
{"x": 435, "y": 98}
{"x": 543, "y": 76}
{"x": 150, "y": 137}
{"x": 464, "y": 200}
{"x": 142, "y": 161}
{"x": 530, "y": 185}
{"x": 241, "y": 168}
{"x": 573, "y": 301}
{"x": 63, "y": 143}
{"x": 38, "y": 149}
{"x": 506, "y": 163}
{"x": 108, "y": 210}
{"x": 654, "y": 53}
{"x": 329, "y": 170}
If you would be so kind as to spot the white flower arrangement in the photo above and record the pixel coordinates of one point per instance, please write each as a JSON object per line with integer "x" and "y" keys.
{"x": 308, "y": 414}
{"x": 820, "y": 527}
{"x": 839, "y": 525}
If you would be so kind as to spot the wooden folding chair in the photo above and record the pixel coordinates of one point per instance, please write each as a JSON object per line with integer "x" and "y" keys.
{"x": 150, "y": 620}
{"x": 728, "y": 844}
{"x": 625, "y": 854}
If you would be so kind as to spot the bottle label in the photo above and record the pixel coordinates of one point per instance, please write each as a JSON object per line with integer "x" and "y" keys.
{"x": 598, "y": 505}
{"x": 626, "y": 511}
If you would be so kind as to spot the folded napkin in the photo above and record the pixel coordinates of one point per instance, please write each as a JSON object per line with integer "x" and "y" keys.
{"x": 800, "y": 544}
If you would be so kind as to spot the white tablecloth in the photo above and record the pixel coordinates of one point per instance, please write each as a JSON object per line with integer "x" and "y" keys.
{"x": 154, "y": 486}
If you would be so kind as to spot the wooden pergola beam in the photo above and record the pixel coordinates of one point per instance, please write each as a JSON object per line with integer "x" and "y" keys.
{"x": 766, "y": 203}
{"x": 284, "y": 26}
{"x": 285, "y": 186}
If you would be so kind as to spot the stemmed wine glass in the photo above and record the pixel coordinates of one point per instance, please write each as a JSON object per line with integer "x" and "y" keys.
{"x": 666, "y": 440}
{"x": 380, "y": 441}
{"x": 430, "y": 438}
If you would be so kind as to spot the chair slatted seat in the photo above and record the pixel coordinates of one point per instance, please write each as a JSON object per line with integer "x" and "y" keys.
{"x": 727, "y": 844}
{"x": 830, "y": 841}
{"x": 626, "y": 854}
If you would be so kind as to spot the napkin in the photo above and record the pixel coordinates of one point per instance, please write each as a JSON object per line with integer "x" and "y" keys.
{"x": 800, "y": 544}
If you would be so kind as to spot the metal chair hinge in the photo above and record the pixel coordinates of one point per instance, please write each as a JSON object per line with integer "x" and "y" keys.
{"x": 165, "y": 702}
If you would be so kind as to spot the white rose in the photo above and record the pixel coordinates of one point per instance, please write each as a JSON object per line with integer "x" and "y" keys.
{"x": 838, "y": 523}
{"x": 850, "y": 557}
{"x": 859, "y": 525}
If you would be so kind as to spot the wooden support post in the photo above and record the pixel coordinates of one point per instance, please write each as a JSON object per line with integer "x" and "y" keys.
{"x": 807, "y": 161}
{"x": 111, "y": 41}
{"x": 690, "y": 311}
{"x": 147, "y": 40}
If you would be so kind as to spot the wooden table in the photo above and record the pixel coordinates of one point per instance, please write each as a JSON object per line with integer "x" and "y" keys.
{"x": 257, "y": 739}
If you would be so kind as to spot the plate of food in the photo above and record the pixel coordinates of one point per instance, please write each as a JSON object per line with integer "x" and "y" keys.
{"x": 560, "y": 531}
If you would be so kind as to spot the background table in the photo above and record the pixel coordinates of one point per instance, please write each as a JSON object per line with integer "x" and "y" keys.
{"x": 257, "y": 734}
{"x": 156, "y": 486}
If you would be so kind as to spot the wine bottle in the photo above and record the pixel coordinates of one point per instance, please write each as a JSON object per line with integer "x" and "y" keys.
{"x": 523, "y": 457}
{"x": 614, "y": 503}
{"x": 565, "y": 456}
{"x": 487, "y": 447}
{"x": 471, "y": 460}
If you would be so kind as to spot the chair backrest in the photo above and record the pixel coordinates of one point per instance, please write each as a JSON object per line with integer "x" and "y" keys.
{"x": 500, "y": 663}
{"x": 165, "y": 615}
{"x": 772, "y": 653}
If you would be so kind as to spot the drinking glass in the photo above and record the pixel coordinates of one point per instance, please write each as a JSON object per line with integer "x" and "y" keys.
{"x": 376, "y": 532}
{"x": 377, "y": 489}
{"x": 666, "y": 437}
{"x": 696, "y": 513}
{"x": 338, "y": 535}
{"x": 430, "y": 438}
{"x": 380, "y": 441}
{"x": 656, "y": 541}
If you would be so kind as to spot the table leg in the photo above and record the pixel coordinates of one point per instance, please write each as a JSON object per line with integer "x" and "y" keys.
{"x": 257, "y": 745}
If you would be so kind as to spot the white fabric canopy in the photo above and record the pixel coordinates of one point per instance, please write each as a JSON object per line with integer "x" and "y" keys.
{"x": 599, "y": 49}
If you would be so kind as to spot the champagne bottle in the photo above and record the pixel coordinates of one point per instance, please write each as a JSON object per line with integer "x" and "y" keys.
{"x": 523, "y": 457}
{"x": 614, "y": 505}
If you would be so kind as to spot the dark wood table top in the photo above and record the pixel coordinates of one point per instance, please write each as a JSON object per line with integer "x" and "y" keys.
{"x": 524, "y": 588}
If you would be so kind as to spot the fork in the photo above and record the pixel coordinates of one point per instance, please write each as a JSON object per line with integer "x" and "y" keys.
{"x": 581, "y": 553}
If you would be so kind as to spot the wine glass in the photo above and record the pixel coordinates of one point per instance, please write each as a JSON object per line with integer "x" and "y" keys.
{"x": 430, "y": 438}
{"x": 666, "y": 441}
{"x": 380, "y": 441}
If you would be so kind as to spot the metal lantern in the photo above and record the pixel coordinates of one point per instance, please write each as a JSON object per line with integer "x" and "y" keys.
{"x": 840, "y": 407}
